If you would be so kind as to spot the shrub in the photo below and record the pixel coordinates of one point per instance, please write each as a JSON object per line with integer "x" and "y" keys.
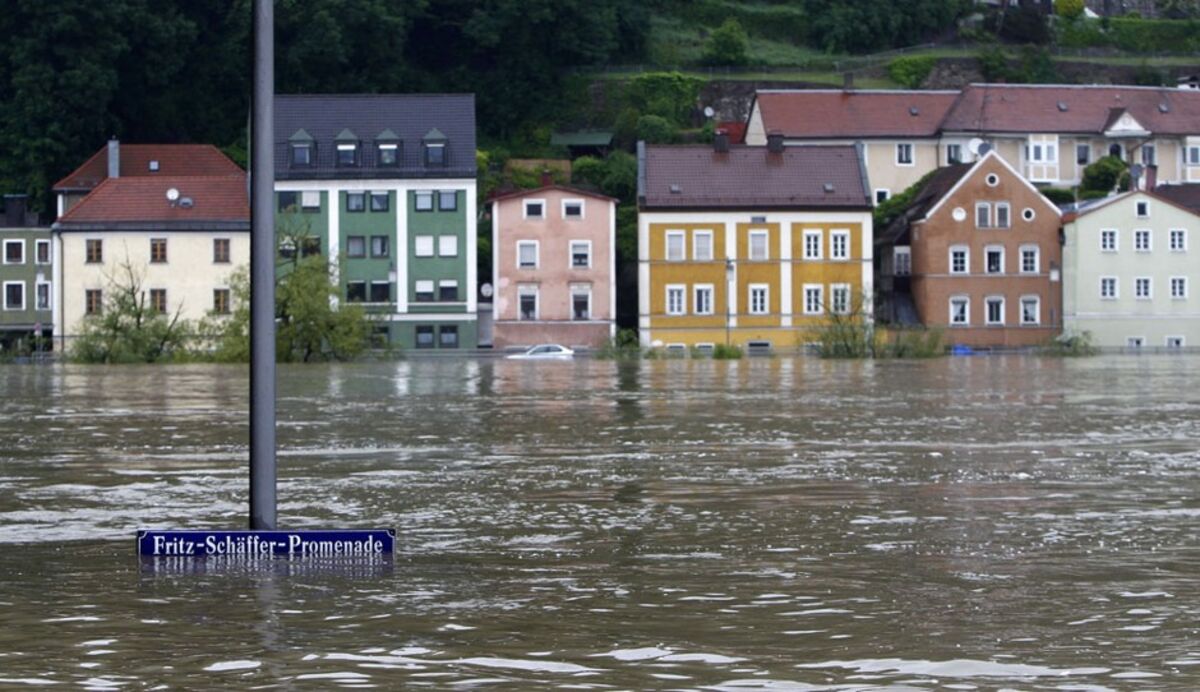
{"x": 670, "y": 95}
{"x": 993, "y": 64}
{"x": 1102, "y": 176}
{"x": 893, "y": 206}
{"x": 624, "y": 346}
{"x": 1070, "y": 345}
{"x": 588, "y": 169}
{"x": 1058, "y": 195}
{"x": 1069, "y": 9}
{"x": 913, "y": 343}
{"x": 726, "y": 352}
{"x": 727, "y": 45}
{"x": 656, "y": 129}
{"x": 910, "y": 71}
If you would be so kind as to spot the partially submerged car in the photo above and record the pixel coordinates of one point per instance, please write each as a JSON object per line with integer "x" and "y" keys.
{"x": 544, "y": 352}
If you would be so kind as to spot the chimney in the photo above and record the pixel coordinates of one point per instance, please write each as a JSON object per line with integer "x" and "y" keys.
{"x": 721, "y": 141}
{"x": 547, "y": 178}
{"x": 775, "y": 142}
{"x": 1151, "y": 177}
{"x": 114, "y": 158}
{"x": 848, "y": 81}
{"x": 14, "y": 210}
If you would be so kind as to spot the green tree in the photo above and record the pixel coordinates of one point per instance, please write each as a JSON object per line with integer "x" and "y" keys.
{"x": 1103, "y": 176}
{"x": 727, "y": 45}
{"x": 655, "y": 129}
{"x": 861, "y": 26}
{"x": 1178, "y": 9}
{"x": 1069, "y": 9}
{"x": 129, "y": 329}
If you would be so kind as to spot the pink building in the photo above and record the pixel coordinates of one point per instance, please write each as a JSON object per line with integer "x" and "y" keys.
{"x": 554, "y": 266}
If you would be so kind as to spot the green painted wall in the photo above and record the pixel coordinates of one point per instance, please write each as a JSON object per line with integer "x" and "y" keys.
{"x": 25, "y": 272}
{"x": 366, "y": 223}
{"x": 404, "y": 334}
{"x": 312, "y": 222}
{"x": 437, "y": 223}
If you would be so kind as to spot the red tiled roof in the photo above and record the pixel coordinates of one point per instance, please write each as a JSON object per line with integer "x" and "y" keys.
{"x": 735, "y": 129}
{"x": 751, "y": 177}
{"x": 822, "y": 113}
{"x": 1187, "y": 195}
{"x": 140, "y": 200}
{"x": 1088, "y": 109}
{"x": 173, "y": 159}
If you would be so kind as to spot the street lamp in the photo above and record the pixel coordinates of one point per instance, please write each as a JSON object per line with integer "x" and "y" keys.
{"x": 729, "y": 273}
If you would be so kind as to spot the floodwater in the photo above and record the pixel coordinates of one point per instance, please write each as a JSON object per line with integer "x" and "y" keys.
{"x": 962, "y": 523}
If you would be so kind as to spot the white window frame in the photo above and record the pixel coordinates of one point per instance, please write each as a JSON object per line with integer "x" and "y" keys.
{"x": 966, "y": 250}
{"x": 310, "y": 199}
{"x": 897, "y": 252}
{"x": 697, "y": 289}
{"x": 537, "y": 253}
{"x": 1172, "y": 337}
{"x": 525, "y": 209}
{"x": 24, "y": 291}
{"x": 1138, "y": 206}
{"x": 1116, "y": 239}
{"x": 49, "y": 295}
{"x": 1192, "y": 155}
{"x": 580, "y": 290}
{"x": 1137, "y": 283}
{"x": 529, "y": 290}
{"x": 1037, "y": 310}
{"x": 682, "y": 236}
{"x": 912, "y": 154}
{"x": 834, "y": 289}
{"x": 1116, "y": 286}
{"x": 996, "y": 208}
{"x": 1152, "y": 151}
{"x": 49, "y": 252}
{"x": 448, "y": 239}
{"x": 1172, "y": 234}
{"x": 423, "y": 246}
{"x": 754, "y": 234}
{"x": 14, "y": 241}
{"x": 681, "y": 289}
{"x": 582, "y": 209}
{"x": 986, "y": 208}
{"x": 765, "y": 308}
{"x": 887, "y": 194}
{"x": 696, "y": 254}
{"x": 987, "y": 251}
{"x": 988, "y": 302}
{"x": 1037, "y": 259}
{"x": 1178, "y": 280}
{"x": 820, "y": 290}
{"x": 571, "y": 254}
{"x": 955, "y": 160}
{"x": 1149, "y": 236}
{"x": 966, "y": 301}
{"x": 813, "y": 233}
{"x": 1135, "y": 342}
{"x": 844, "y": 234}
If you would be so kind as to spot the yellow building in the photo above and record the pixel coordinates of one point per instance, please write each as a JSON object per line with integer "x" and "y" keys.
{"x": 751, "y": 246}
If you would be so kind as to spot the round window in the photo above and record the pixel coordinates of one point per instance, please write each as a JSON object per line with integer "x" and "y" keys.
{"x": 1028, "y": 214}
{"x": 959, "y": 214}
{"x": 992, "y": 180}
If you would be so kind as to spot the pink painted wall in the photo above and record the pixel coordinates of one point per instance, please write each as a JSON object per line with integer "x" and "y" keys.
{"x": 554, "y": 274}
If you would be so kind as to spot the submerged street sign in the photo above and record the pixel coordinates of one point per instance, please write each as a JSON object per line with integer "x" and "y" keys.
{"x": 265, "y": 544}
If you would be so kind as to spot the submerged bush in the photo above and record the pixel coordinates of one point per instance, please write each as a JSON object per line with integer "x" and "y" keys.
{"x": 726, "y": 352}
{"x": 1070, "y": 345}
{"x": 623, "y": 346}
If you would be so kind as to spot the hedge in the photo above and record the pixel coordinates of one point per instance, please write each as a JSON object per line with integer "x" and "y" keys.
{"x": 1130, "y": 34}
{"x": 910, "y": 71}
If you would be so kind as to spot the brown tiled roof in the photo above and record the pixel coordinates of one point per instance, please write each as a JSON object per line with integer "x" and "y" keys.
{"x": 173, "y": 159}
{"x": 939, "y": 183}
{"x": 751, "y": 178}
{"x": 510, "y": 194}
{"x": 822, "y": 113}
{"x": 1187, "y": 195}
{"x": 1088, "y": 109}
{"x": 218, "y": 201}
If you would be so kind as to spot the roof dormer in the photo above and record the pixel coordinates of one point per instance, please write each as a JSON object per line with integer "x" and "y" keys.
{"x": 347, "y": 149}
{"x": 387, "y": 149}
{"x": 434, "y": 145}
{"x": 302, "y": 149}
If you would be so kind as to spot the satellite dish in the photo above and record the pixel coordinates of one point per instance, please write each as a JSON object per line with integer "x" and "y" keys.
{"x": 172, "y": 194}
{"x": 974, "y": 145}
{"x": 709, "y": 112}
{"x": 485, "y": 290}
{"x": 984, "y": 149}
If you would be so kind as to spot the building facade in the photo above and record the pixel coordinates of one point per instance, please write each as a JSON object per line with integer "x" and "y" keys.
{"x": 384, "y": 186}
{"x": 1129, "y": 273}
{"x": 979, "y": 252}
{"x": 26, "y": 276}
{"x": 554, "y": 267}
{"x": 749, "y": 246}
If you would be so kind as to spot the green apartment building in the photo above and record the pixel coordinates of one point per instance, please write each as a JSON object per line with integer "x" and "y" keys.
{"x": 384, "y": 185}
{"x": 26, "y": 273}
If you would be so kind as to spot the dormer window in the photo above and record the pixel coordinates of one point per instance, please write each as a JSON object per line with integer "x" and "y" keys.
{"x": 302, "y": 154}
{"x": 347, "y": 155}
{"x": 434, "y": 143}
{"x": 389, "y": 155}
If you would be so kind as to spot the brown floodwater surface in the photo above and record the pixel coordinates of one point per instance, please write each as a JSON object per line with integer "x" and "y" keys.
{"x": 964, "y": 523}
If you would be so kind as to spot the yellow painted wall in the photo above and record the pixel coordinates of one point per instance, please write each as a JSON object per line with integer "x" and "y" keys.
{"x": 764, "y": 272}
{"x": 688, "y": 272}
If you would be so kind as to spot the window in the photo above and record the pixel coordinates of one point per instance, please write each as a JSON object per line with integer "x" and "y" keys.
{"x": 356, "y": 291}
{"x": 356, "y": 201}
{"x": 1108, "y": 240}
{"x": 581, "y": 254}
{"x": 221, "y": 301}
{"x": 42, "y": 295}
{"x": 1134, "y": 342}
{"x": 221, "y": 250}
{"x": 581, "y": 303}
{"x": 423, "y": 201}
{"x": 380, "y": 201}
{"x": 14, "y": 252}
{"x": 992, "y": 180}
{"x": 302, "y": 155}
{"x": 448, "y": 200}
{"x": 702, "y": 246}
{"x": 703, "y": 299}
{"x": 347, "y": 155}
{"x": 1108, "y": 287}
{"x": 388, "y": 155}
{"x": 839, "y": 245}
{"x": 1142, "y": 209}
{"x": 1042, "y": 152}
{"x": 448, "y": 336}
{"x": 95, "y": 251}
{"x": 1178, "y": 240}
{"x": 1193, "y": 155}
{"x": 572, "y": 209}
{"x": 995, "y": 310}
{"x": 448, "y": 291}
{"x": 983, "y": 215}
{"x": 356, "y": 246}
{"x": 448, "y": 246}
{"x": 310, "y": 246}
{"x": 1117, "y": 150}
{"x": 904, "y": 154}
{"x": 424, "y": 291}
{"x": 423, "y": 246}
{"x": 93, "y": 302}
{"x": 42, "y": 253}
{"x": 1003, "y": 215}
{"x": 960, "y": 311}
{"x": 287, "y": 201}
{"x": 759, "y": 299}
{"x": 1175, "y": 342}
{"x": 527, "y": 302}
{"x": 527, "y": 254}
{"x": 1141, "y": 240}
{"x": 902, "y": 259}
{"x": 839, "y": 299}
{"x": 380, "y": 246}
{"x": 758, "y": 245}
{"x": 881, "y": 195}
{"x": 960, "y": 260}
{"x": 158, "y": 250}
{"x": 424, "y": 336}
{"x": 1141, "y": 288}
{"x": 381, "y": 292}
{"x": 1179, "y": 287}
{"x": 435, "y": 154}
{"x": 158, "y": 300}
{"x": 675, "y": 246}
{"x": 535, "y": 209}
{"x": 675, "y": 300}
{"x": 814, "y": 299}
{"x": 14, "y": 295}
{"x": 812, "y": 244}
{"x": 1031, "y": 310}
{"x": 953, "y": 154}
{"x": 1148, "y": 155}
{"x": 1083, "y": 154}
{"x": 1029, "y": 259}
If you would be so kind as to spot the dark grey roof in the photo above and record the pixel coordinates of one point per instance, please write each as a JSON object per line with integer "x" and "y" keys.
{"x": 408, "y": 116}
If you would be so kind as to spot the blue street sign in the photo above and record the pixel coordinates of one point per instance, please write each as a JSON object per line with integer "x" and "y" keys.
{"x": 346, "y": 543}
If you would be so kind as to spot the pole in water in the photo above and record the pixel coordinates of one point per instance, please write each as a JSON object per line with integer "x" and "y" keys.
{"x": 262, "y": 272}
